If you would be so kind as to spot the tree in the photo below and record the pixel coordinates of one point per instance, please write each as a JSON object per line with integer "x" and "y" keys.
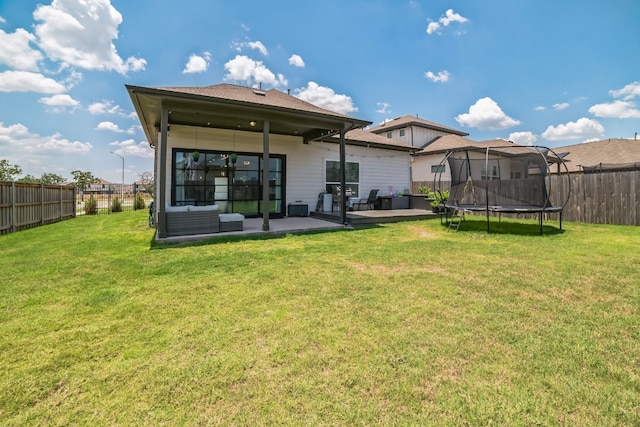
{"x": 148, "y": 182}
{"x": 46, "y": 178}
{"x": 52, "y": 179}
{"x": 8, "y": 171}
{"x": 83, "y": 179}
{"x": 28, "y": 179}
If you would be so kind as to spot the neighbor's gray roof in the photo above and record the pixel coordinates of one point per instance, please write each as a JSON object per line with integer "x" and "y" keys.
{"x": 405, "y": 121}
{"x": 611, "y": 153}
{"x": 446, "y": 143}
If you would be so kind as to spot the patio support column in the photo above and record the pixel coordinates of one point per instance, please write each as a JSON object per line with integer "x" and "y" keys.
{"x": 343, "y": 179}
{"x": 161, "y": 188}
{"x": 265, "y": 176}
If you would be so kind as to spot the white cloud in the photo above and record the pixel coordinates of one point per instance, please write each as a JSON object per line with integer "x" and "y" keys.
{"x": 540, "y": 108}
{"x": 16, "y": 53}
{"x": 197, "y": 63}
{"x": 130, "y": 148}
{"x": 245, "y": 69}
{"x": 441, "y": 77}
{"x": 110, "y": 126}
{"x": 296, "y": 61}
{"x": 384, "y": 108}
{"x": 561, "y": 106}
{"x": 326, "y": 98}
{"x": 616, "y": 109}
{"x": 60, "y": 103}
{"x": 26, "y": 81}
{"x": 628, "y": 92}
{"x": 18, "y": 136}
{"x": 81, "y": 34}
{"x": 523, "y": 138}
{"x": 258, "y": 46}
{"x": 444, "y": 21}
{"x": 582, "y": 128}
{"x": 104, "y": 107}
{"x": 620, "y": 109}
{"x": 485, "y": 114}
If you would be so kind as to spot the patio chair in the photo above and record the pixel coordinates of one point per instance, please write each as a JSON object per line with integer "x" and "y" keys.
{"x": 368, "y": 202}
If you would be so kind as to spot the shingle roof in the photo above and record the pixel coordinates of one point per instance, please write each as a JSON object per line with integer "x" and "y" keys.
{"x": 405, "y": 121}
{"x": 448, "y": 142}
{"x": 271, "y": 97}
{"x": 366, "y": 138}
{"x": 609, "y": 153}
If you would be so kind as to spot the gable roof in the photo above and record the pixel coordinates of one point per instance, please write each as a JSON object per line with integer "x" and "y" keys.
{"x": 406, "y": 121}
{"x": 608, "y": 154}
{"x": 446, "y": 143}
{"x": 229, "y": 106}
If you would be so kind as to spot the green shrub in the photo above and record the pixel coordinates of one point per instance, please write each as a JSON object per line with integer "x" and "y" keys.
{"x": 116, "y": 205}
{"x": 138, "y": 202}
{"x": 91, "y": 206}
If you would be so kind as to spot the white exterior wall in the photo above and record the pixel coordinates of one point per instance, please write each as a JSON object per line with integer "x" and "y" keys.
{"x": 305, "y": 163}
{"x": 420, "y": 135}
{"x": 422, "y": 168}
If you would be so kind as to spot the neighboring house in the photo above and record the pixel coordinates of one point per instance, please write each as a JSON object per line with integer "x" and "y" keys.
{"x": 210, "y": 143}
{"x": 413, "y": 131}
{"x": 601, "y": 156}
{"x": 428, "y": 162}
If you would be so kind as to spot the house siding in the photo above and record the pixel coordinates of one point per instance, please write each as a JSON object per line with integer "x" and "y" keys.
{"x": 305, "y": 163}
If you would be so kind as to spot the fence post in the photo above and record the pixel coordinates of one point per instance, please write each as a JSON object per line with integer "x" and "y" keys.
{"x": 41, "y": 204}
{"x": 61, "y": 206}
{"x": 13, "y": 207}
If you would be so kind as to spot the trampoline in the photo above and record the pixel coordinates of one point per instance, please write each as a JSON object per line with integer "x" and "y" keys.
{"x": 509, "y": 179}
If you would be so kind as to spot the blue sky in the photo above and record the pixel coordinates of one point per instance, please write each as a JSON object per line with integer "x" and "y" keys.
{"x": 542, "y": 72}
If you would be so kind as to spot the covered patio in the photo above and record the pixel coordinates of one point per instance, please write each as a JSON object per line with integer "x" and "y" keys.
{"x": 180, "y": 121}
{"x": 317, "y": 221}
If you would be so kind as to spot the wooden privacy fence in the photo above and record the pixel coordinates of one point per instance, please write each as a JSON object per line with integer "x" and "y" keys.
{"x": 25, "y": 206}
{"x": 598, "y": 198}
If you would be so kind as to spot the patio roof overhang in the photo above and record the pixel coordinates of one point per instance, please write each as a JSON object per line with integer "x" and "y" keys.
{"x": 220, "y": 113}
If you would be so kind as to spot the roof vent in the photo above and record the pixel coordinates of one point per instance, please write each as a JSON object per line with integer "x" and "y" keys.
{"x": 259, "y": 92}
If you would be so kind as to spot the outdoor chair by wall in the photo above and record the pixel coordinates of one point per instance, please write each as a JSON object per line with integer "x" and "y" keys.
{"x": 368, "y": 202}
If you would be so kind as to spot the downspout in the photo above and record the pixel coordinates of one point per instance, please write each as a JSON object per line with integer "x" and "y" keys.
{"x": 265, "y": 176}
{"x": 162, "y": 194}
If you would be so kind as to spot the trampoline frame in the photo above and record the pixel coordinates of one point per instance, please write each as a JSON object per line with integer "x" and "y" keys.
{"x": 488, "y": 207}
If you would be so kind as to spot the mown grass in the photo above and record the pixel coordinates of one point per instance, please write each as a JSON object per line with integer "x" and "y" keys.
{"x": 401, "y": 324}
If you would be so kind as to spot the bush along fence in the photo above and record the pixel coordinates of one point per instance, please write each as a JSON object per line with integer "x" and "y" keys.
{"x": 597, "y": 198}
{"x": 111, "y": 198}
{"x": 25, "y": 206}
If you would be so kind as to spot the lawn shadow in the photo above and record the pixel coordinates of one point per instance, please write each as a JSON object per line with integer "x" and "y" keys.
{"x": 220, "y": 239}
{"x": 478, "y": 225}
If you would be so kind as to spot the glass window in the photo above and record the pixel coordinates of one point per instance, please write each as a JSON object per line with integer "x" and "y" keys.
{"x": 438, "y": 168}
{"x": 233, "y": 181}
{"x": 401, "y": 132}
{"x": 389, "y": 135}
{"x": 352, "y": 176}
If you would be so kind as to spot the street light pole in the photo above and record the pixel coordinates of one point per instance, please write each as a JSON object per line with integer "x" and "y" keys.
{"x": 122, "y": 187}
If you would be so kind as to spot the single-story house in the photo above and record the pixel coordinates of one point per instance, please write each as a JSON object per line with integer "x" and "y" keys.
{"x": 600, "y": 156}
{"x": 211, "y": 144}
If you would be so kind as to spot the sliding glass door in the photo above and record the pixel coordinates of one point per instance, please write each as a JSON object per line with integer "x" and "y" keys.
{"x": 233, "y": 181}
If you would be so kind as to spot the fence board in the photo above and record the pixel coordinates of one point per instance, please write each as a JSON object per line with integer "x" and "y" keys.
{"x": 599, "y": 198}
{"x": 25, "y": 206}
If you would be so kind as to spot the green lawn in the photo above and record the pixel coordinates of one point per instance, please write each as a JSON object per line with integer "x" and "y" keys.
{"x": 402, "y": 324}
